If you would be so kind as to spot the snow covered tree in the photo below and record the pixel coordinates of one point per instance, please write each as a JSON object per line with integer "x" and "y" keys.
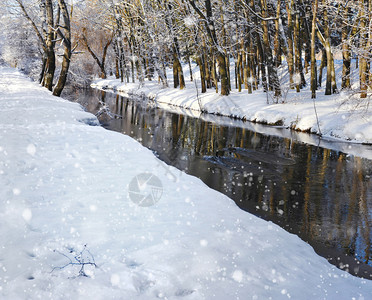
{"x": 94, "y": 26}
{"x": 44, "y": 18}
{"x": 20, "y": 47}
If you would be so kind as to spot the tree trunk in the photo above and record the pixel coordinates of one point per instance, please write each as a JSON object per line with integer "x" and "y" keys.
{"x": 363, "y": 62}
{"x": 178, "y": 78}
{"x": 117, "y": 68}
{"x": 227, "y": 60}
{"x": 51, "y": 59}
{"x": 327, "y": 46}
{"x": 138, "y": 65}
{"x": 253, "y": 60}
{"x": 300, "y": 66}
{"x": 208, "y": 79}
{"x": 261, "y": 63}
{"x": 176, "y": 81}
{"x": 313, "y": 59}
{"x": 68, "y": 49}
{"x": 225, "y": 85}
{"x": 333, "y": 73}
{"x": 273, "y": 75}
{"x": 189, "y": 62}
{"x": 296, "y": 41}
{"x": 181, "y": 78}
{"x": 43, "y": 67}
{"x": 323, "y": 64}
{"x": 307, "y": 42}
{"x": 328, "y": 90}
{"x": 290, "y": 44}
{"x": 200, "y": 63}
{"x": 277, "y": 50}
{"x": 119, "y": 50}
{"x": 247, "y": 70}
{"x": 132, "y": 60}
{"x": 214, "y": 73}
{"x": 346, "y": 51}
{"x": 122, "y": 64}
{"x": 64, "y": 72}
{"x": 224, "y": 44}
{"x": 238, "y": 77}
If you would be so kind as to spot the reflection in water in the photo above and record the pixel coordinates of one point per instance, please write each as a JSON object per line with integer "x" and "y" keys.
{"x": 324, "y": 196}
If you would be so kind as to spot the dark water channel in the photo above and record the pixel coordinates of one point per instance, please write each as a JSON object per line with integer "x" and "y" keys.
{"x": 322, "y": 195}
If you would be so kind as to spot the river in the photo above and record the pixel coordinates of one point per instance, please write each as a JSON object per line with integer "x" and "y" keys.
{"x": 321, "y": 194}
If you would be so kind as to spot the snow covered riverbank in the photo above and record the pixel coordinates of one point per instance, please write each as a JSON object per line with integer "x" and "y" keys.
{"x": 341, "y": 116}
{"x": 65, "y": 184}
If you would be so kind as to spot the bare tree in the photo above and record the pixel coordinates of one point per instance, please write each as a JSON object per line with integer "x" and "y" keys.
{"x": 47, "y": 34}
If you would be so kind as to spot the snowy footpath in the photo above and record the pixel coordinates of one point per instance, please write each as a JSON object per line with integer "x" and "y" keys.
{"x": 342, "y": 116}
{"x": 88, "y": 213}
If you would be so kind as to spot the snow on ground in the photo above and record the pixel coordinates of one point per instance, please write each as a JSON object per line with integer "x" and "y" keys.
{"x": 342, "y": 116}
{"x": 65, "y": 184}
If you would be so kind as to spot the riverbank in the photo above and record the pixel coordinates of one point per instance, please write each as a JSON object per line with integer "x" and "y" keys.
{"x": 69, "y": 192}
{"x": 349, "y": 148}
{"x": 342, "y": 116}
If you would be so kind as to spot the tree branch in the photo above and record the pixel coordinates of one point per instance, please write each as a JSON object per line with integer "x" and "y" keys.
{"x": 90, "y": 50}
{"x": 33, "y": 25}
{"x": 259, "y": 16}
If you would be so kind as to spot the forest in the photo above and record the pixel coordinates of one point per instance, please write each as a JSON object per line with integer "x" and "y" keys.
{"x": 59, "y": 41}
